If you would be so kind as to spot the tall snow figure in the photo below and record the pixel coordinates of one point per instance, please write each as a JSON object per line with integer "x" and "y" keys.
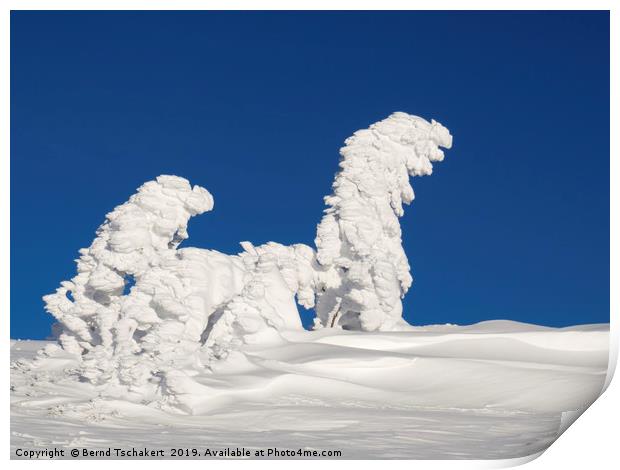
{"x": 359, "y": 238}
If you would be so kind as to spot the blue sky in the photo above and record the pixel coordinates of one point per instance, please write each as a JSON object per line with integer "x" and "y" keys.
{"x": 254, "y": 106}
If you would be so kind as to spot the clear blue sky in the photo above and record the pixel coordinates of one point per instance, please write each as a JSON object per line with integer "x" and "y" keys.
{"x": 513, "y": 224}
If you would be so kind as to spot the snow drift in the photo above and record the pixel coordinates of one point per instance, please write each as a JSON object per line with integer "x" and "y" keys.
{"x": 493, "y": 390}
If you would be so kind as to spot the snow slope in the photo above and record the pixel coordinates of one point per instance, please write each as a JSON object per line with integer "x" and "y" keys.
{"x": 491, "y": 390}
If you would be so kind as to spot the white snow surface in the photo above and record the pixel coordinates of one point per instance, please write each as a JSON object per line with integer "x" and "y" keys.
{"x": 494, "y": 390}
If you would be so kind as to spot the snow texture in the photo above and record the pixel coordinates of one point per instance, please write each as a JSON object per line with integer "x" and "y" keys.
{"x": 495, "y": 390}
{"x": 187, "y": 307}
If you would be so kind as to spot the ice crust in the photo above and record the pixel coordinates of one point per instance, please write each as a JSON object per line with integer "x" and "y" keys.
{"x": 190, "y": 307}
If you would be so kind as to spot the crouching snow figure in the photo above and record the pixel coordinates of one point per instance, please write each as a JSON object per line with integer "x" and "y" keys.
{"x": 191, "y": 306}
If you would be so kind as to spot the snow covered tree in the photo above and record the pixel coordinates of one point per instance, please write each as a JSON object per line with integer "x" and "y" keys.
{"x": 365, "y": 271}
{"x": 188, "y": 306}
